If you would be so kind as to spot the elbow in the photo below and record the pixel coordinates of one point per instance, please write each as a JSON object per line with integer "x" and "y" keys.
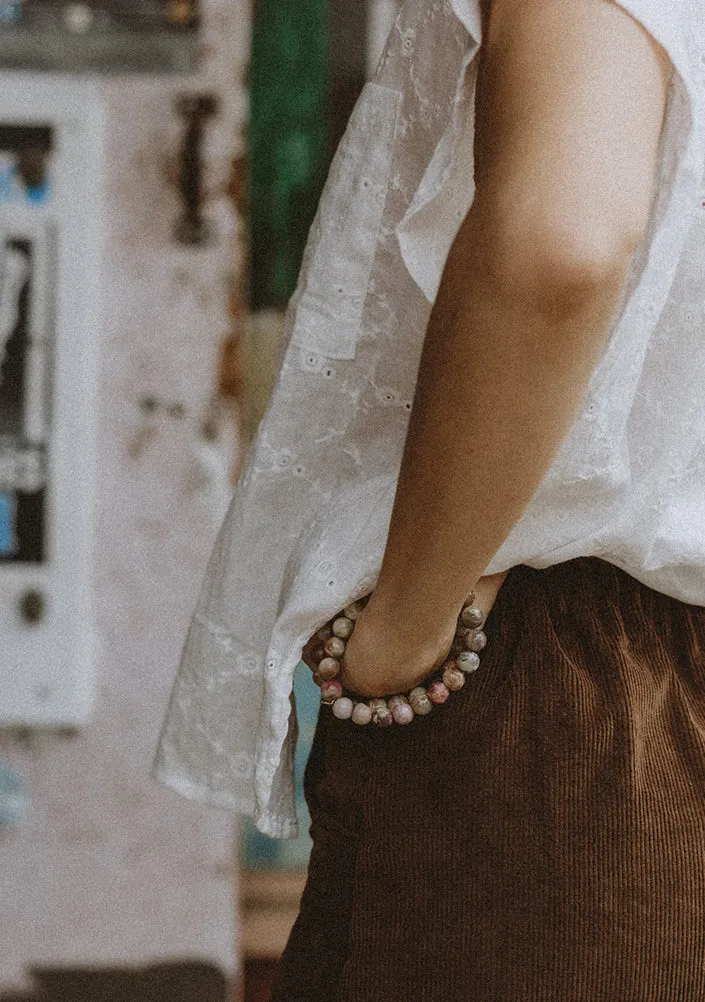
{"x": 550, "y": 261}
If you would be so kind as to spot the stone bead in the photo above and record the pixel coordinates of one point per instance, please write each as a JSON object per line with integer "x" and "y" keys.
{"x": 402, "y": 711}
{"x": 343, "y": 627}
{"x": 319, "y": 654}
{"x": 329, "y": 668}
{"x": 470, "y": 600}
{"x": 343, "y": 708}
{"x": 462, "y": 632}
{"x": 468, "y": 661}
{"x": 335, "y": 647}
{"x": 419, "y": 701}
{"x": 381, "y": 714}
{"x": 476, "y": 641}
{"x": 472, "y": 616}
{"x": 330, "y": 691}
{"x": 438, "y": 692}
{"x": 317, "y": 679}
{"x": 361, "y": 714}
{"x": 324, "y": 633}
{"x": 382, "y": 717}
{"x": 353, "y": 610}
{"x": 454, "y": 679}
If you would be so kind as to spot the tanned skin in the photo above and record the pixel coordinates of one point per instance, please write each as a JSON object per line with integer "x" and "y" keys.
{"x": 570, "y": 105}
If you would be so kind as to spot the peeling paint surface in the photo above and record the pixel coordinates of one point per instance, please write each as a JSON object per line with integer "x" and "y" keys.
{"x": 108, "y": 867}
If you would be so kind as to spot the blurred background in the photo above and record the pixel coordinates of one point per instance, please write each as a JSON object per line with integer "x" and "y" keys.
{"x": 160, "y": 164}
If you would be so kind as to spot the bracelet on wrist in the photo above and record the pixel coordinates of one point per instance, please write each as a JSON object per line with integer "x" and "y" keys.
{"x": 463, "y": 659}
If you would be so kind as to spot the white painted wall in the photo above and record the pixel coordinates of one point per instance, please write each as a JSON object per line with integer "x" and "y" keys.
{"x": 109, "y": 868}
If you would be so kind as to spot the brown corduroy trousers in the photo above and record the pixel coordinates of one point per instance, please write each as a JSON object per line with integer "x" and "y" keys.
{"x": 541, "y": 836}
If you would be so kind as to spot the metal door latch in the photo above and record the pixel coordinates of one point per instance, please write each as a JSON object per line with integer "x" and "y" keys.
{"x": 191, "y": 228}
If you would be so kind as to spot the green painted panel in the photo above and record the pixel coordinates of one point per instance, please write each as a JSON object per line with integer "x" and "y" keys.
{"x": 288, "y": 140}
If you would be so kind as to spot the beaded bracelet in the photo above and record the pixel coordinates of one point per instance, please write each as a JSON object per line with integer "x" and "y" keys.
{"x": 463, "y": 659}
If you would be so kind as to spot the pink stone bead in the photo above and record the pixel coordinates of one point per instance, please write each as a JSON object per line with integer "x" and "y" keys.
{"x": 472, "y": 616}
{"x": 382, "y": 718}
{"x": 361, "y": 714}
{"x": 343, "y": 708}
{"x": 343, "y": 627}
{"x": 438, "y": 692}
{"x": 476, "y": 641}
{"x": 381, "y": 714}
{"x": 335, "y": 647}
{"x": 402, "y": 712}
{"x": 454, "y": 679}
{"x": 328, "y": 668}
{"x": 330, "y": 691}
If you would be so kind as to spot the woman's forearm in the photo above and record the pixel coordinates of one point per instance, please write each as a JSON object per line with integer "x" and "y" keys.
{"x": 501, "y": 379}
{"x": 565, "y": 165}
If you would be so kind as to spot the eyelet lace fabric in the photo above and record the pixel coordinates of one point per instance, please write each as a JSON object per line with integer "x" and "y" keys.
{"x": 307, "y": 525}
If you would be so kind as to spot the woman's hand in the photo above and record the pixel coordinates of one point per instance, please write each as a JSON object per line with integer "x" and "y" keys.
{"x": 379, "y": 660}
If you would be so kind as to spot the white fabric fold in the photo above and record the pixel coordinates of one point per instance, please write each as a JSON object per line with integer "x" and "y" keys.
{"x": 447, "y": 188}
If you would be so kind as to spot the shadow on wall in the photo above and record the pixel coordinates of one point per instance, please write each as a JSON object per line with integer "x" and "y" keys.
{"x": 178, "y": 982}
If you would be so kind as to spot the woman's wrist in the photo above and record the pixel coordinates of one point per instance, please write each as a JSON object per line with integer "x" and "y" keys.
{"x": 420, "y": 633}
{"x": 417, "y": 632}
{"x": 382, "y": 657}
{"x": 380, "y": 679}
{"x": 392, "y": 651}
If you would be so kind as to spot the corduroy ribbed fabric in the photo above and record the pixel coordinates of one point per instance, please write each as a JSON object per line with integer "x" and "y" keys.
{"x": 541, "y": 836}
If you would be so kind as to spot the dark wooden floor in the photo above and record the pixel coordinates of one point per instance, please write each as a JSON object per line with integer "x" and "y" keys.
{"x": 177, "y": 982}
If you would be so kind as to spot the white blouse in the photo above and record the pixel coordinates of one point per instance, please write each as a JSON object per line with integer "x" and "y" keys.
{"x": 307, "y": 526}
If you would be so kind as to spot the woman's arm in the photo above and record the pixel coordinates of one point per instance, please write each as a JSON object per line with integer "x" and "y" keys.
{"x": 570, "y": 105}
